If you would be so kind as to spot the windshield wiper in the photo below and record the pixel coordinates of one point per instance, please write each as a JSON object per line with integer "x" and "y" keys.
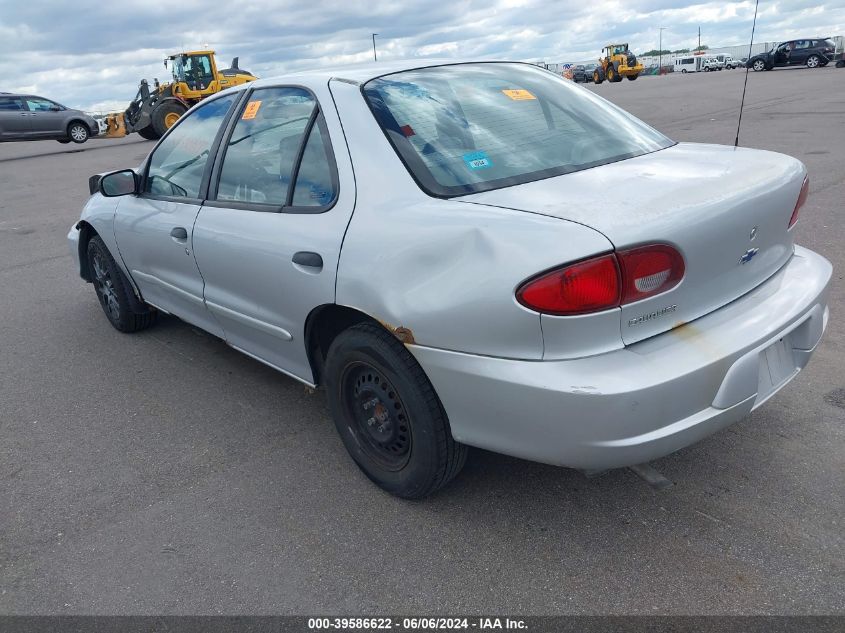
{"x": 187, "y": 163}
{"x": 272, "y": 127}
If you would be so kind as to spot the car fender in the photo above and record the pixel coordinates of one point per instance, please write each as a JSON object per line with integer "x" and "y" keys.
{"x": 98, "y": 216}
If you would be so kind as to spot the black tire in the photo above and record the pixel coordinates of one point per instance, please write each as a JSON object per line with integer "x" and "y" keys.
{"x": 405, "y": 446}
{"x": 757, "y": 65}
{"x": 632, "y": 77}
{"x": 683, "y": 71}
{"x": 63, "y": 141}
{"x": 813, "y": 61}
{"x": 78, "y": 132}
{"x": 160, "y": 115}
{"x": 113, "y": 290}
{"x": 598, "y": 76}
{"x": 149, "y": 133}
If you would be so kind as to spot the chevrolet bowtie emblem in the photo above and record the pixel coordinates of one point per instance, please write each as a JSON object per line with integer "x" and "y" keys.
{"x": 748, "y": 255}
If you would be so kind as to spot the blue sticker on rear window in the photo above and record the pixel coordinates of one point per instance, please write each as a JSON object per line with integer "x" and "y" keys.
{"x": 477, "y": 160}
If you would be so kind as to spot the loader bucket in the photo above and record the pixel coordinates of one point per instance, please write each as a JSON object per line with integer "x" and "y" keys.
{"x": 115, "y": 125}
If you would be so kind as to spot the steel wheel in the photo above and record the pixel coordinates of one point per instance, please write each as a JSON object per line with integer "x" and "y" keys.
{"x": 170, "y": 119}
{"x": 104, "y": 287}
{"x": 378, "y": 414}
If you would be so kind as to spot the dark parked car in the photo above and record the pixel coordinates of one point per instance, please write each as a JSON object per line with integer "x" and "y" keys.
{"x": 812, "y": 52}
{"x": 579, "y": 74}
{"x": 31, "y": 118}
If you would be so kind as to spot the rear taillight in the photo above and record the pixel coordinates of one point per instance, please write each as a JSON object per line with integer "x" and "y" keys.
{"x": 588, "y": 286}
{"x": 802, "y": 198}
{"x": 649, "y": 270}
{"x": 604, "y": 282}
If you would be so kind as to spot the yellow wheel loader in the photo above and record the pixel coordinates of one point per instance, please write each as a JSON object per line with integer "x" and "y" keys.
{"x": 155, "y": 110}
{"x": 617, "y": 62}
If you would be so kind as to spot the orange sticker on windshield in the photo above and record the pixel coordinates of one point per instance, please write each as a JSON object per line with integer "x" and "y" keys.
{"x": 251, "y": 110}
{"x": 519, "y": 95}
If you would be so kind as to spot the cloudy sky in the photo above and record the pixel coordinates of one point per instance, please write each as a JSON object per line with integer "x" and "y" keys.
{"x": 92, "y": 54}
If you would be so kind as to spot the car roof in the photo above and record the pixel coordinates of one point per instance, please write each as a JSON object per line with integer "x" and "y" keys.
{"x": 362, "y": 73}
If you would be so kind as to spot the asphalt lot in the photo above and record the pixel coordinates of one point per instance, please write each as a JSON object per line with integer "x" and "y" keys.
{"x": 166, "y": 473}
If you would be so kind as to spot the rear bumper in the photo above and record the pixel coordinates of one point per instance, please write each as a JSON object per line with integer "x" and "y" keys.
{"x": 648, "y": 399}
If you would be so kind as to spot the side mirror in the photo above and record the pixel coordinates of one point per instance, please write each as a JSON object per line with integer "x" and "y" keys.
{"x": 118, "y": 183}
{"x": 55, "y": 108}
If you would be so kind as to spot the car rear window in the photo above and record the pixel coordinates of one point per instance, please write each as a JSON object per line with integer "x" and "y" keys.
{"x": 467, "y": 128}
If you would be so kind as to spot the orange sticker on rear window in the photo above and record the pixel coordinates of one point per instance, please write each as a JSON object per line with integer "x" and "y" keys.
{"x": 251, "y": 110}
{"x": 519, "y": 95}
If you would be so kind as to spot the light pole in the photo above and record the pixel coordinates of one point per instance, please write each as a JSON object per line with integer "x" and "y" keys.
{"x": 660, "y": 50}
{"x": 375, "y": 59}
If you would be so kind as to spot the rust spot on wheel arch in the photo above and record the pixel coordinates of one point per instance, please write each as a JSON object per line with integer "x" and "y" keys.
{"x": 405, "y": 335}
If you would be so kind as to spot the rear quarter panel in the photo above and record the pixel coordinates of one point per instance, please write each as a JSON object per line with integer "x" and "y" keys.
{"x": 443, "y": 269}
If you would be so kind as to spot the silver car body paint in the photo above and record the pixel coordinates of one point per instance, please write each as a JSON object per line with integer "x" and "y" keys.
{"x": 589, "y": 391}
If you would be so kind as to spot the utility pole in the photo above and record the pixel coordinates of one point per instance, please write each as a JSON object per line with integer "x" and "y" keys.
{"x": 699, "y": 39}
{"x": 375, "y": 59}
{"x": 660, "y": 49}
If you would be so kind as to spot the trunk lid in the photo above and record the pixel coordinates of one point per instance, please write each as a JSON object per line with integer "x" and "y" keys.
{"x": 725, "y": 209}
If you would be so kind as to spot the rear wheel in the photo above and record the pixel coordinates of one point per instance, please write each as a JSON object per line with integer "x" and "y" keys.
{"x": 813, "y": 61}
{"x": 113, "y": 288}
{"x": 683, "y": 71}
{"x": 388, "y": 415}
{"x": 632, "y": 77}
{"x": 63, "y": 141}
{"x": 166, "y": 115}
{"x": 77, "y": 132}
{"x": 597, "y": 77}
{"x": 149, "y": 133}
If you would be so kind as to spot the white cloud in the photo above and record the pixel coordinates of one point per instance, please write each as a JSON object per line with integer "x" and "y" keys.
{"x": 96, "y": 54}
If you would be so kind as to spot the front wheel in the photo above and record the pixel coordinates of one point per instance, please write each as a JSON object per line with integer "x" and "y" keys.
{"x": 166, "y": 115}
{"x": 113, "y": 288}
{"x": 388, "y": 414}
{"x": 683, "y": 71}
{"x": 758, "y": 65}
{"x": 597, "y": 77}
{"x": 78, "y": 132}
{"x": 632, "y": 77}
{"x": 813, "y": 61}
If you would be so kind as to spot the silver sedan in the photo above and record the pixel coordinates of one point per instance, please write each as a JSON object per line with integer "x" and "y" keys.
{"x": 474, "y": 254}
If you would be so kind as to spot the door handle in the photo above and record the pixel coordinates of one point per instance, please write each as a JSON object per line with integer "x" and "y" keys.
{"x": 308, "y": 259}
{"x": 179, "y": 233}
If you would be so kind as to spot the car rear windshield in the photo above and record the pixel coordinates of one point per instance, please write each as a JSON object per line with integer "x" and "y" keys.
{"x": 467, "y": 128}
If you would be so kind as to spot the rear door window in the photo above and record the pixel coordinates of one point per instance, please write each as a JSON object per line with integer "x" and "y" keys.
{"x": 10, "y": 104}
{"x": 278, "y": 153}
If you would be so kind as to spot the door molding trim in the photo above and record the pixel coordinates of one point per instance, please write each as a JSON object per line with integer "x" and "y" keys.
{"x": 169, "y": 287}
{"x": 252, "y": 322}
